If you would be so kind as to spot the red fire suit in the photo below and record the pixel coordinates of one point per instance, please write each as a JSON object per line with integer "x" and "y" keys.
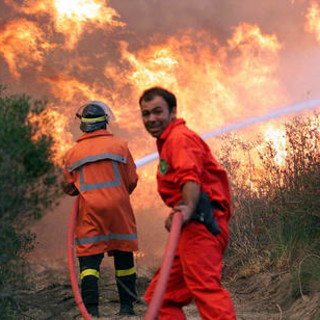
{"x": 103, "y": 170}
{"x": 197, "y": 266}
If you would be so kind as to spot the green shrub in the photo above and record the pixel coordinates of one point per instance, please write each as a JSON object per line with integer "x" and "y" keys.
{"x": 28, "y": 185}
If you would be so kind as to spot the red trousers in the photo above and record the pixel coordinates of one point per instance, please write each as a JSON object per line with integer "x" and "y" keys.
{"x": 196, "y": 275}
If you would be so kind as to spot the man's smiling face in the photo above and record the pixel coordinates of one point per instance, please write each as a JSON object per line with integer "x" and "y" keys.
{"x": 156, "y": 115}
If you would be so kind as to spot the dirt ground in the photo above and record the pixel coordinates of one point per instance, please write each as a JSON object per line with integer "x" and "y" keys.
{"x": 259, "y": 297}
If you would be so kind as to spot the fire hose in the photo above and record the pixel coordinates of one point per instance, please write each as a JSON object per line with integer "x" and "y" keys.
{"x": 71, "y": 264}
{"x": 166, "y": 264}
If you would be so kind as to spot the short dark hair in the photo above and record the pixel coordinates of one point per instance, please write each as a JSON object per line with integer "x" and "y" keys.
{"x": 168, "y": 96}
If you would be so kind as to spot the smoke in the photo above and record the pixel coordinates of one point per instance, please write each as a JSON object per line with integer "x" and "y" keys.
{"x": 225, "y": 60}
{"x": 150, "y": 20}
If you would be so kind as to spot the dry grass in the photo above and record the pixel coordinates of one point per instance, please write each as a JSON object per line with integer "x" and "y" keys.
{"x": 276, "y": 206}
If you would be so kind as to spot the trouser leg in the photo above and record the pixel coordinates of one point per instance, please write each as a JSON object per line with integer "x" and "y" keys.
{"x": 89, "y": 274}
{"x": 177, "y": 294}
{"x": 125, "y": 274}
{"x": 201, "y": 257}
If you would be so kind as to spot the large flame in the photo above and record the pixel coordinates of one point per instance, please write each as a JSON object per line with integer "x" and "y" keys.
{"x": 215, "y": 82}
{"x": 72, "y": 17}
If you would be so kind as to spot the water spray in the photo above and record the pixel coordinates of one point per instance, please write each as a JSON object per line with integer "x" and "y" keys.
{"x": 275, "y": 114}
{"x": 155, "y": 303}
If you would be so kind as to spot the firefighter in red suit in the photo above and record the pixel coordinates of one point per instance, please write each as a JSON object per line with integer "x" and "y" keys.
{"x": 101, "y": 170}
{"x": 187, "y": 171}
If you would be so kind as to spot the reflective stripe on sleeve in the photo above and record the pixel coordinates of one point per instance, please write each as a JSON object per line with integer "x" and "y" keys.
{"x": 89, "y": 272}
{"x": 111, "y": 236}
{"x": 126, "y": 272}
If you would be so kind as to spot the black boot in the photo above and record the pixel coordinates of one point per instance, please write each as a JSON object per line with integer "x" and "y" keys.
{"x": 127, "y": 293}
{"x": 126, "y": 310}
{"x": 93, "y": 310}
{"x": 126, "y": 281}
{"x": 89, "y": 272}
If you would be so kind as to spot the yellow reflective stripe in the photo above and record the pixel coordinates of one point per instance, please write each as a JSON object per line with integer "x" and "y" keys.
{"x": 126, "y": 272}
{"x": 89, "y": 272}
{"x": 92, "y": 120}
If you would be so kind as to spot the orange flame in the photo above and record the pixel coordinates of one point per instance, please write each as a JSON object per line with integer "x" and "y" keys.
{"x": 71, "y": 90}
{"x": 22, "y": 43}
{"x": 72, "y": 17}
{"x": 55, "y": 124}
{"x": 75, "y": 15}
{"x": 313, "y": 20}
{"x": 212, "y": 83}
{"x": 277, "y": 138}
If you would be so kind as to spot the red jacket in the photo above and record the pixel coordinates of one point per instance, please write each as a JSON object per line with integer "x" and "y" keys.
{"x": 184, "y": 156}
{"x": 102, "y": 169}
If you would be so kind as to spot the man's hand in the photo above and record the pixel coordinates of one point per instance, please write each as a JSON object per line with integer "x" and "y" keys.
{"x": 186, "y": 212}
{"x": 190, "y": 194}
{"x": 69, "y": 188}
{"x": 168, "y": 221}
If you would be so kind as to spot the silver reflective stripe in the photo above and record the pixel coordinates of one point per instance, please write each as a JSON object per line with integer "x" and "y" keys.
{"x": 111, "y": 236}
{"x": 101, "y": 156}
{"x": 105, "y": 184}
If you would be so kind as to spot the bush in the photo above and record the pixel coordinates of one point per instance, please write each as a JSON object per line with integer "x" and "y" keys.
{"x": 276, "y": 222}
{"x": 28, "y": 185}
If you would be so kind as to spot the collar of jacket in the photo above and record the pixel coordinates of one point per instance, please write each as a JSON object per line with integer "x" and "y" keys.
{"x": 100, "y": 132}
{"x": 170, "y": 127}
